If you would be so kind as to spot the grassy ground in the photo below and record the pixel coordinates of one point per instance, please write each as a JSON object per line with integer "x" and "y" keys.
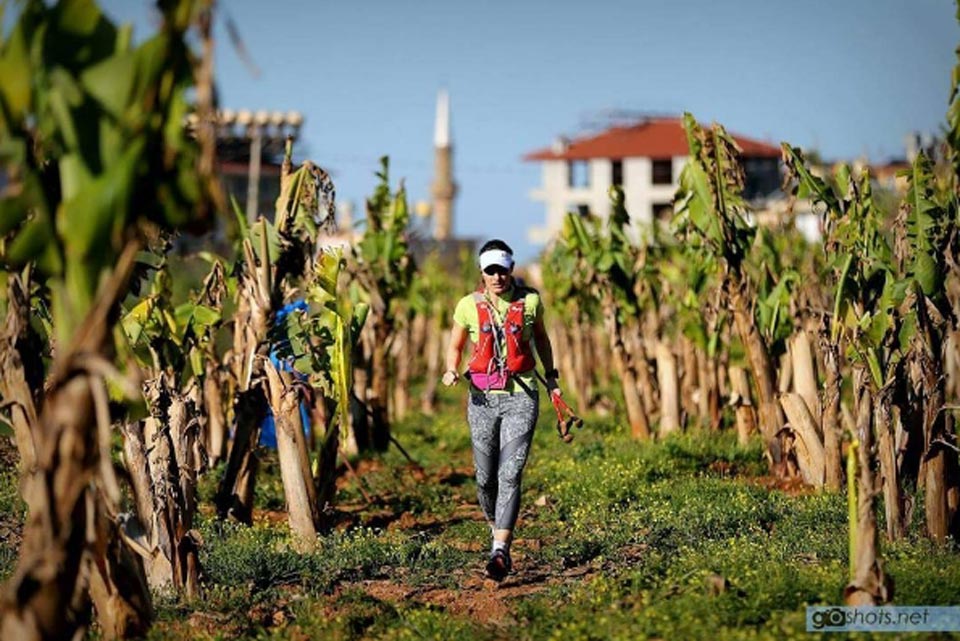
{"x": 684, "y": 539}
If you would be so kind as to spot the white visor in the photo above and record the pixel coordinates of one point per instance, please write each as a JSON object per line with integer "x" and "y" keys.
{"x": 496, "y": 257}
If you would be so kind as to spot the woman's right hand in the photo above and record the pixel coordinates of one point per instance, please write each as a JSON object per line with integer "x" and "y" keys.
{"x": 450, "y": 377}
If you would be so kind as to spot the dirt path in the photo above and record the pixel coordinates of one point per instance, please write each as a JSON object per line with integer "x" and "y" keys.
{"x": 474, "y": 595}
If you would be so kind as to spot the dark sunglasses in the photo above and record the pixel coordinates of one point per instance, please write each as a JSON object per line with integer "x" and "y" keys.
{"x": 496, "y": 270}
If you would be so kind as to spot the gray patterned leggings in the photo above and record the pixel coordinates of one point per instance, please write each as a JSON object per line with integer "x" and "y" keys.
{"x": 501, "y": 428}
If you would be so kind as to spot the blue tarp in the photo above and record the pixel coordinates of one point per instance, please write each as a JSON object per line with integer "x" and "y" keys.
{"x": 268, "y": 429}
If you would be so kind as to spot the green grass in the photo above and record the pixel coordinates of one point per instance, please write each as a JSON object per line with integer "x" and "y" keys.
{"x": 617, "y": 540}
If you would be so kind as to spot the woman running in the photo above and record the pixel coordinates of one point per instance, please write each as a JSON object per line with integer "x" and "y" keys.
{"x": 504, "y": 320}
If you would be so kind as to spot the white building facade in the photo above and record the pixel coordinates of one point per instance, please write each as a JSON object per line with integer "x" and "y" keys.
{"x": 645, "y": 159}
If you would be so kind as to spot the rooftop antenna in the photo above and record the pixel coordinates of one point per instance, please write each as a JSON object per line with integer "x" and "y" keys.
{"x": 600, "y": 119}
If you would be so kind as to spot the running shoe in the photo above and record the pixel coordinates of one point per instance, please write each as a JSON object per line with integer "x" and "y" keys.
{"x": 499, "y": 565}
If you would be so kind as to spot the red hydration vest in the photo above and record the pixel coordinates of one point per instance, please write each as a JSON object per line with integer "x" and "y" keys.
{"x": 486, "y": 357}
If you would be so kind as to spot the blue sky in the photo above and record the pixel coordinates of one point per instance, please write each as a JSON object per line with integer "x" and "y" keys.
{"x": 849, "y": 77}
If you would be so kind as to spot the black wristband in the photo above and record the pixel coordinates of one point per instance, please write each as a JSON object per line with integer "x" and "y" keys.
{"x": 551, "y": 373}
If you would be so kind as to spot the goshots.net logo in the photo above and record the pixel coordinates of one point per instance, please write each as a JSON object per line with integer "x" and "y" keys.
{"x": 883, "y": 619}
{"x": 825, "y": 618}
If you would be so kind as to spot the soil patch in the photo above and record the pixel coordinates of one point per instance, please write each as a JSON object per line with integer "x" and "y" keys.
{"x": 475, "y": 596}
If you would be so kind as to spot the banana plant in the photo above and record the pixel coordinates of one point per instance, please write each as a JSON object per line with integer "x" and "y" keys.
{"x": 318, "y": 343}
{"x": 867, "y": 322}
{"x": 926, "y": 227}
{"x": 607, "y": 259}
{"x": 710, "y": 216}
{"x": 383, "y": 267}
{"x": 164, "y": 451}
{"x": 94, "y": 145}
{"x": 278, "y": 260}
{"x": 774, "y": 266}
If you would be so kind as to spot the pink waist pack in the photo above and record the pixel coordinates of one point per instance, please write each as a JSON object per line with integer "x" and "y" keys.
{"x": 491, "y": 381}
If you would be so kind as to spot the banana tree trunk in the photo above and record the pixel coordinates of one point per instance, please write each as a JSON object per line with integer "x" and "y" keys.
{"x": 636, "y": 414}
{"x": 327, "y": 432}
{"x": 707, "y": 389}
{"x": 69, "y": 492}
{"x": 45, "y": 598}
{"x": 581, "y": 345}
{"x": 770, "y": 417}
{"x": 746, "y": 418}
{"x": 563, "y": 356}
{"x": 216, "y": 432}
{"x": 635, "y": 344}
{"x": 940, "y": 470}
{"x": 830, "y": 418}
{"x": 689, "y": 379}
{"x": 784, "y": 373}
{"x": 433, "y": 351}
{"x": 164, "y": 458}
{"x": 869, "y": 585}
{"x": 807, "y": 444}
{"x": 719, "y": 365}
{"x": 402, "y": 355}
{"x": 118, "y": 586}
{"x": 710, "y": 389}
{"x": 892, "y": 500}
{"x": 183, "y": 429}
{"x": 298, "y": 489}
{"x": 358, "y": 436}
{"x": 419, "y": 326}
{"x": 379, "y": 397}
{"x": 600, "y": 358}
{"x": 805, "y": 372}
{"x": 235, "y": 494}
{"x": 138, "y": 468}
{"x": 253, "y": 317}
{"x": 951, "y": 366}
{"x": 669, "y": 389}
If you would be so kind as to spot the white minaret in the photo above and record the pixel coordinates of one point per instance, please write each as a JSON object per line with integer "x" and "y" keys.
{"x": 444, "y": 189}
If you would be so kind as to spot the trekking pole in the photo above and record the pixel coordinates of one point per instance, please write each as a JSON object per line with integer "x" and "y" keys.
{"x": 566, "y": 417}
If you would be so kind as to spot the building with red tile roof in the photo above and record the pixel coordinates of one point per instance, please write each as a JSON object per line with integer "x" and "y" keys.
{"x": 645, "y": 158}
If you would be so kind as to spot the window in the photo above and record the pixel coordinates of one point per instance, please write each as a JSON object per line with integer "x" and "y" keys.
{"x": 663, "y": 212}
{"x": 662, "y": 171}
{"x": 578, "y": 173}
{"x": 583, "y": 210}
{"x": 762, "y": 177}
{"x": 616, "y": 172}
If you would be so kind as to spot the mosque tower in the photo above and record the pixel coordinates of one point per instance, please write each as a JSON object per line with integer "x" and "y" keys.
{"x": 444, "y": 189}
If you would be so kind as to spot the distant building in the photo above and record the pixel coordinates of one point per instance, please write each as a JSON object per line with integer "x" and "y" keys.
{"x": 645, "y": 159}
{"x": 889, "y": 175}
{"x": 250, "y": 149}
